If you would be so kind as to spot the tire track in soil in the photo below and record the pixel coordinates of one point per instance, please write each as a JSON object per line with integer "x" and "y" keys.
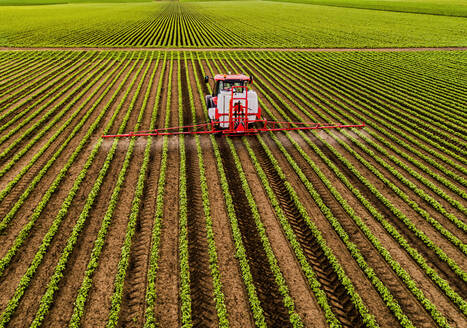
{"x": 304, "y": 299}
{"x": 433, "y": 260}
{"x": 34, "y": 197}
{"x": 338, "y": 298}
{"x": 30, "y": 301}
{"x": 236, "y": 299}
{"x": 406, "y": 300}
{"x": 167, "y": 307}
{"x": 99, "y": 298}
{"x": 263, "y": 279}
{"x": 132, "y": 313}
{"x": 61, "y": 311}
{"x": 370, "y": 259}
{"x": 133, "y": 302}
{"x": 203, "y": 308}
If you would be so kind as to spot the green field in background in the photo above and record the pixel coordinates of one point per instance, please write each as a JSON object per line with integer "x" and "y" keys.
{"x": 435, "y": 7}
{"x": 247, "y": 24}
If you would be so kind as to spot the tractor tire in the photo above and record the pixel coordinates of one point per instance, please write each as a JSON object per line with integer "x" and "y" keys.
{"x": 209, "y": 102}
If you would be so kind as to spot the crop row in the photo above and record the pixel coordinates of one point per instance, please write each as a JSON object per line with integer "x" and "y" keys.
{"x": 403, "y": 195}
{"x": 314, "y": 284}
{"x": 47, "y": 240}
{"x": 11, "y": 214}
{"x": 448, "y": 288}
{"x": 296, "y": 92}
{"x": 376, "y": 165}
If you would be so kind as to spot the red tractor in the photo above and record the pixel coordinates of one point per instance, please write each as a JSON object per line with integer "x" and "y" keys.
{"x": 232, "y": 106}
{"x": 233, "y": 109}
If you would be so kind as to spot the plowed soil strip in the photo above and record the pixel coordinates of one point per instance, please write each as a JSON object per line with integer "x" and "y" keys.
{"x": 132, "y": 313}
{"x": 167, "y": 308}
{"x": 274, "y": 311}
{"x": 201, "y": 288}
{"x": 337, "y": 296}
{"x": 203, "y": 307}
{"x": 236, "y": 299}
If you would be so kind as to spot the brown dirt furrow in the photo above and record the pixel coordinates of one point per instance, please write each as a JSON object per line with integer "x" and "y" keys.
{"x": 22, "y": 215}
{"x": 201, "y": 286}
{"x": 336, "y": 293}
{"x": 36, "y": 289}
{"x": 133, "y": 303}
{"x": 98, "y": 301}
{"x": 167, "y": 307}
{"x": 203, "y": 307}
{"x": 132, "y": 313}
{"x": 263, "y": 279}
{"x": 304, "y": 299}
{"x": 61, "y": 312}
{"x": 236, "y": 299}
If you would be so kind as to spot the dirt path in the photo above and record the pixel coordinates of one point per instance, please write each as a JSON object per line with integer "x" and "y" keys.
{"x": 236, "y": 298}
{"x": 234, "y": 49}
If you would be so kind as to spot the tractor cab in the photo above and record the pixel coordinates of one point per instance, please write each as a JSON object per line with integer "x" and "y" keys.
{"x": 224, "y": 83}
{"x": 232, "y": 105}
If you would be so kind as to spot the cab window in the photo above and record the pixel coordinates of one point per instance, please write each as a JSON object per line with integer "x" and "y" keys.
{"x": 227, "y": 85}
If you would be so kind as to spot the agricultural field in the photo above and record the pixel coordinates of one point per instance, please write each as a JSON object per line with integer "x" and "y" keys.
{"x": 332, "y": 228}
{"x": 214, "y": 24}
